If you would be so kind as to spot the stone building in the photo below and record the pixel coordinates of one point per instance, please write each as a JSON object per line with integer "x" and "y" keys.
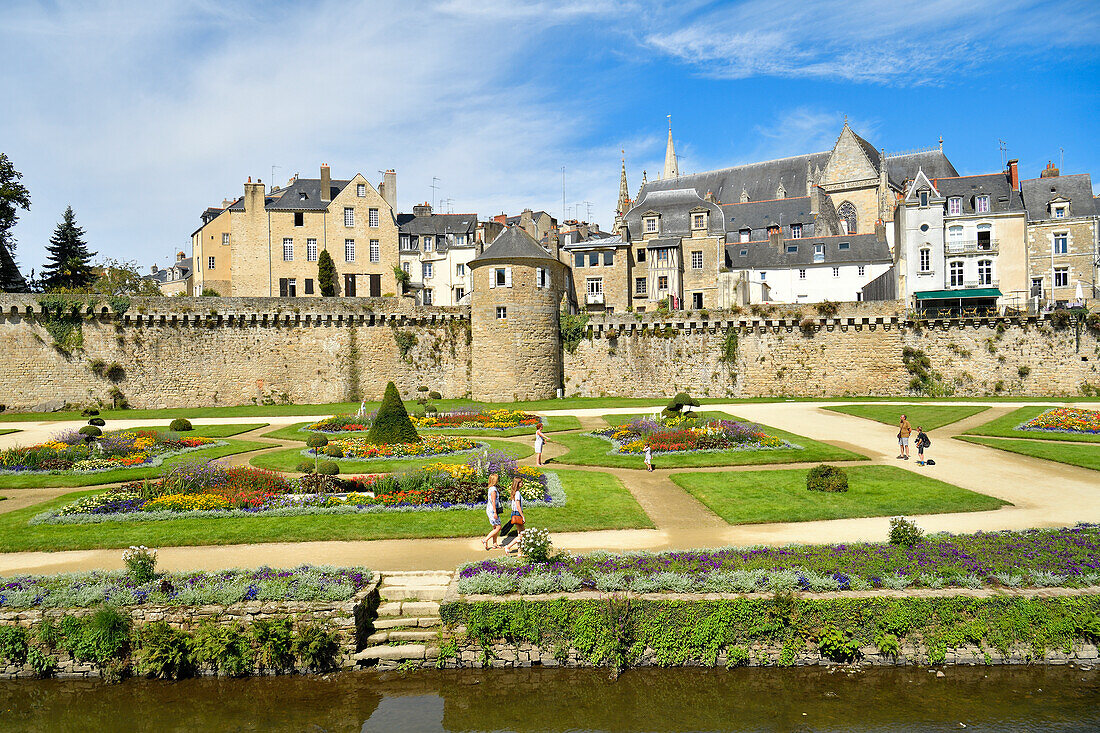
{"x": 177, "y": 279}
{"x": 1062, "y": 238}
{"x": 536, "y": 223}
{"x": 600, "y": 268}
{"x": 267, "y": 243}
{"x": 435, "y": 251}
{"x": 516, "y": 342}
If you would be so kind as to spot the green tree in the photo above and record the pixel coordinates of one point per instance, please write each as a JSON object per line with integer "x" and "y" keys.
{"x": 392, "y": 423}
{"x": 402, "y": 278}
{"x": 122, "y": 278}
{"x": 69, "y": 266}
{"x": 326, "y": 274}
{"x": 13, "y": 196}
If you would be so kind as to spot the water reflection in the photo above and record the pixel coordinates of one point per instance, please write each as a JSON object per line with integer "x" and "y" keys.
{"x": 996, "y": 699}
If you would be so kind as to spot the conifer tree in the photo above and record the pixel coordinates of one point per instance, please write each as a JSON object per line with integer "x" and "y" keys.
{"x": 70, "y": 263}
{"x": 13, "y": 196}
{"x": 392, "y": 423}
{"x": 326, "y": 274}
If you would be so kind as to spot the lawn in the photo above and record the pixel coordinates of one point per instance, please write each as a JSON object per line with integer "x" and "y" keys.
{"x": 7, "y": 431}
{"x": 553, "y": 424}
{"x": 753, "y": 497}
{"x": 1005, "y": 427}
{"x": 288, "y": 459}
{"x": 929, "y": 417}
{"x": 588, "y": 450}
{"x": 1085, "y": 456}
{"x": 594, "y": 501}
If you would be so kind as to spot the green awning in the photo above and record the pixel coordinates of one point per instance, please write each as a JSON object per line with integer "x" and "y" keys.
{"x": 956, "y": 294}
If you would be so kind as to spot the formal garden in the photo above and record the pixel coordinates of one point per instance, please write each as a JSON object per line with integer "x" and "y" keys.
{"x": 1062, "y": 434}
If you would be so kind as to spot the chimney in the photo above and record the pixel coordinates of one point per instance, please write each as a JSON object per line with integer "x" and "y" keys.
{"x": 775, "y": 235}
{"x": 1050, "y": 171}
{"x": 815, "y": 201}
{"x": 1014, "y": 174}
{"x": 501, "y": 219}
{"x": 388, "y": 189}
{"x": 424, "y": 209}
{"x": 326, "y": 183}
{"x": 253, "y": 196}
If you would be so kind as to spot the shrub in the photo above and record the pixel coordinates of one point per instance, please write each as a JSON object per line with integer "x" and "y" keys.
{"x": 1092, "y": 321}
{"x": 90, "y": 431}
{"x": 334, "y": 451}
{"x": 808, "y": 326}
{"x": 328, "y": 468}
{"x": 678, "y": 403}
{"x": 114, "y": 372}
{"x": 316, "y": 440}
{"x": 141, "y": 563}
{"x": 435, "y": 395}
{"x": 828, "y": 478}
{"x": 304, "y": 467}
{"x": 315, "y": 646}
{"x": 89, "y": 412}
{"x": 838, "y": 645}
{"x": 904, "y": 532}
{"x": 535, "y": 544}
{"x": 97, "y": 366}
{"x": 43, "y": 664}
{"x": 13, "y": 644}
{"x": 887, "y": 644}
{"x": 224, "y": 649}
{"x": 1023, "y": 371}
{"x": 392, "y": 423}
{"x": 274, "y": 640}
{"x": 316, "y": 483}
{"x": 180, "y": 425}
{"x": 97, "y": 422}
{"x": 1059, "y": 319}
{"x": 828, "y": 308}
{"x": 100, "y": 638}
{"x": 163, "y": 651}
{"x": 326, "y": 274}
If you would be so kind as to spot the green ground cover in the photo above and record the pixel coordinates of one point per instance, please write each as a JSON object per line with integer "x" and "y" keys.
{"x": 7, "y": 431}
{"x": 752, "y": 497}
{"x": 553, "y": 424}
{"x": 1005, "y": 427}
{"x": 594, "y": 501}
{"x": 623, "y": 419}
{"x": 588, "y": 450}
{"x": 222, "y": 432}
{"x": 287, "y": 459}
{"x": 1085, "y": 456}
{"x": 929, "y": 417}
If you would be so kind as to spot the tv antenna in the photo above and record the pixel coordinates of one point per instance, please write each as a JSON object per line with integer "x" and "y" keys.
{"x": 273, "y": 169}
{"x": 1061, "y": 160}
{"x": 448, "y": 203}
{"x": 588, "y": 209}
{"x": 434, "y": 187}
{"x": 1003, "y": 146}
{"x": 564, "y": 211}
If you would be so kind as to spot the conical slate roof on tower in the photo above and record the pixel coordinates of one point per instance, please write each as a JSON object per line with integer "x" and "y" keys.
{"x": 512, "y": 244}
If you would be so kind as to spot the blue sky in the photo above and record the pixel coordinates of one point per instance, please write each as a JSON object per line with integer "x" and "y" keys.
{"x": 140, "y": 115}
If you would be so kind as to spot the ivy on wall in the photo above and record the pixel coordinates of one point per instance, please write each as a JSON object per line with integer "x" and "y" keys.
{"x": 62, "y": 319}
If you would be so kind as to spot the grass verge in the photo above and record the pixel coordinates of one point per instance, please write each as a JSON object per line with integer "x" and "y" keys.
{"x": 755, "y": 497}
{"x": 8, "y": 431}
{"x": 595, "y": 501}
{"x": 1005, "y": 427}
{"x": 287, "y": 460}
{"x": 1085, "y": 456}
{"x": 929, "y": 417}
{"x": 556, "y": 423}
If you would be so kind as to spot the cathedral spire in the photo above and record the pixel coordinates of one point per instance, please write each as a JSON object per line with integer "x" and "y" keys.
{"x": 624, "y": 193}
{"x": 671, "y": 171}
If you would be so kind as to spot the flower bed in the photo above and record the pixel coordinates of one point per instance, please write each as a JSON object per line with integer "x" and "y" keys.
{"x": 1039, "y": 558}
{"x": 343, "y": 424}
{"x": 358, "y": 449}
{"x": 478, "y": 419}
{"x": 117, "y": 588}
{"x": 685, "y": 434}
{"x": 70, "y": 452}
{"x": 1065, "y": 420}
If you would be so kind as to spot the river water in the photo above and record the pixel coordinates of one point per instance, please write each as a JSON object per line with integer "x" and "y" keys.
{"x": 815, "y": 699}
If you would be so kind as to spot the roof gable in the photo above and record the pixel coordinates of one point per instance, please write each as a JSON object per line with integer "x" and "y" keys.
{"x": 921, "y": 182}
{"x": 852, "y": 159}
{"x": 513, "y": 244}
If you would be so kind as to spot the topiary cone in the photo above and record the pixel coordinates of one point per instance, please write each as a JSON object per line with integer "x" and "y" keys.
{"x": 392, "y": 423}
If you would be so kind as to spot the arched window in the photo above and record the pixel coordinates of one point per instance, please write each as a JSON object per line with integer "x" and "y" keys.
{"x": 847, "y": 215}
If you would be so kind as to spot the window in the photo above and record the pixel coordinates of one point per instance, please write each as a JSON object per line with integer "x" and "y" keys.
{"x": 460, "y": 293}
{"x": 361, "y": 190}
{"x": 311, "y": 250}
{"x": 792, "y": 249}
{"x": 427, "y": 296}
{"x": 1037, "y": 287}
{"x": 862, "y": 270}
{"x": 981, "y": 204}
{"x": 698, "y": 221}
{"x": 846, "y": 212}
{"x": 502, "y": 312}
{"x": 309, "y": 286}
{"x": 745, "y": 234}
{"x": 426, "y": 270}
{"x": 349, "y": 286}
{"x": 662, "y": 282}
{"x": 955, "y": 270}
{"x": 925, "y": 259}
{"x": 502, "y": 278}
{"x": 349, "y": 217}
{"x": 697, "y": 300}
{"x": 288, "y": 249}
{"x": 578, "y": 259}
{"x": 372, "y": 217}
{"x": 1061, "y": 243}
{"x": 225, "y": 237}
{"x": 924, "y": 227}
{"x": 460, "y": 270}
{"x": 985, "y": 272}
{"x": 209, "y": 263}
{"x": 923, "y": 198}
{"x": 404, "y": 241}
{"x": 428, "y": 243}
{"x": 844, "y": 245}
{"x": 954, "y": 234}
{"x": 802, "y": 274}
{"x": 542, "y": 277}
{"x": 662, "y": 257}
{"x": 985, "y": 236}
{"x": 651, "y": 224}
{"x": 640, "y": 286}
{"x": 460, "y": 240}
{"x": 594, "y": 286}
{"x": 593, "y": 259}
{"x": 1061, "y": 277}
{"x": 1059, "y": 212}
{"x": 744, "y": 252}
{"x": 836, "y": 272}
{"x": 796, "y": 231}
{"x": 349, "y": 250}
{"x": 299, "y": 219}
{"x": 697, "y": 260}
{"x": 763, "y": 276}
{"x": 291, "y": 288}
{"x": 819, "y": 253}
{"x": 608, "y": 259}
{"x": 375, "y": 251}
{"x": 405, "y": 267}
{"x": 954, "y": 205}
{"x": 641, "y": 255}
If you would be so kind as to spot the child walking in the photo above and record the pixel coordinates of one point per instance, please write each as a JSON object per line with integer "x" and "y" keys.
{"x": 648, "y": 458}
{"x": 922, "y": 442}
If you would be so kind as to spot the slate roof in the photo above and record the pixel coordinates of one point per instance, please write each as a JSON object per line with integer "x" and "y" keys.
{"x": 535, "y": 216}
{"x": 437, "y": 224}
{"x": 904, "y": 167}
{"x": 675, "y": 207}
{"x": 1038, "y": 192}
{"x": 595, "y": 242}
{"x": 760, "y": 180}
{"x": 862, "y": 248}
{"x": 291, "y": 197}
{"x": 872, "y": 155}
{"x": 759, "y": 215}
{"x": 1002, "y": 198}
{"x": 658, "y": 243}
{"x": 512, "y": 244}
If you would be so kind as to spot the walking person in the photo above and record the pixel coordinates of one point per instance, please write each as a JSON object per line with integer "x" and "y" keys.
{"x": 540, "y": 442}
{"x": 923, "y": 441}
{"x": 904, "y": 431}
{"x": 492, "y": 510}
{"x": 516, "y": 519}
{"x": 648, "y": 458}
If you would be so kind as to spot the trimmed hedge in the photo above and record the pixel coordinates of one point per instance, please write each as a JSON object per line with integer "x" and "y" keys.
{"x": 824, "y": 477}
{"x": 392, "y": 423}
{"x": 180, "y": 425}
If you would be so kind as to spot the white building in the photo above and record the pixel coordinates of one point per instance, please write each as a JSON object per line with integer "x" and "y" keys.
{"x": 435, "y": 251}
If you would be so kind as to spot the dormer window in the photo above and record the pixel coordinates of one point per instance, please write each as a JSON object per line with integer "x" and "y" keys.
{"x": 302, "y": 196}
{"x": 819, "y": 253}
{"x": 981, "y": 204}
{"x": 924, "y": 198}
{"x": 1061, "y": 211}
{"x": 792, "y": 249}
{"x": 745, "y": 234}
{"x": 796, "y": 231}
{"x": 699, "y": 220}
{"x": 650, "y": 224}
{"x": 954, "y": 206}
{"x": 844, "y": 245}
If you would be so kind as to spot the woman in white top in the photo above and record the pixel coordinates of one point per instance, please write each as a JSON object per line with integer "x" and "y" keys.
{"x": 517, "y": 519}
{"x": 540, "y": 441}
{"x": 492, "y": 503}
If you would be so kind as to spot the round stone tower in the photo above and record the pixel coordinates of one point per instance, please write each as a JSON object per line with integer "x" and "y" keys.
{"x": 517, "y": 291}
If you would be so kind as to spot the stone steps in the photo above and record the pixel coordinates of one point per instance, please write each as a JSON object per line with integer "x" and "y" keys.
{"x": 406, "y": 628}
{"x": 401, "y": 635}
{"x": 399, "y": 653}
